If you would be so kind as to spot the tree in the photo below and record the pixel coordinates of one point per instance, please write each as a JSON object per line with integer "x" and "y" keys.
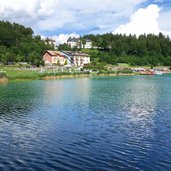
{"x": 17, "y": 43}
{"x": 66, "y": 62}
{"x": 147, "y": 49}
{"x": 58, "y": 63}
{"x": 64, "y": 47}
{"x": 83, "y": 42}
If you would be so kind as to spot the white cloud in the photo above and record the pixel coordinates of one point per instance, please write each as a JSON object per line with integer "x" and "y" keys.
{"x": 51, "y": 15}
{"x": 143, "y": 21}
{"x": 62, "y": 38}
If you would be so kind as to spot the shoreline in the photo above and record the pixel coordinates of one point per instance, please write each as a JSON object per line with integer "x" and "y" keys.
{"x": 64, "y": 76}
{"x": 5, "y": 80}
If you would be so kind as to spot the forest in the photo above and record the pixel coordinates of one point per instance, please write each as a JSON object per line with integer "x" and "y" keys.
{"x": 19, "y": 44}
{"x": 151, "y": 50}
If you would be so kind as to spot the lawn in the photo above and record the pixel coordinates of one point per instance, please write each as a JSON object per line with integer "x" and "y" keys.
{"x": 13, "y": 72}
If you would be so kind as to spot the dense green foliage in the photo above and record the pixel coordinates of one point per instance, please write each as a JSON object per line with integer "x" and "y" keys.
{"x": 2, "y": 74}
{"x": 64, "y": 46}
{"x": 18, "y": 44}
{"x": 143, "y": 50}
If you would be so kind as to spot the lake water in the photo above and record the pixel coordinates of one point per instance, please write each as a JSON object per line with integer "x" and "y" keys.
{"x": 91, "y": 124}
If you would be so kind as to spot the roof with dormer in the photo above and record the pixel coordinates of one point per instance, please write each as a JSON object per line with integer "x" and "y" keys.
{"x": 73, "y": 39}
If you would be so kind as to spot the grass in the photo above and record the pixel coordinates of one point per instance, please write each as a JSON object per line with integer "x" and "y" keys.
{"x": 123, "y": 65}
{"x": 107, "y": 72}
{"x": 126, "y": 71}
{"x": 14, "y": 73}
{"x": 21, "y": 74}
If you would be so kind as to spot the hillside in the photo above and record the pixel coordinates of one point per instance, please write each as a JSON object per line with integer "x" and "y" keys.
{"x": 18, "y": 44}
{"x": 143, "y": 50}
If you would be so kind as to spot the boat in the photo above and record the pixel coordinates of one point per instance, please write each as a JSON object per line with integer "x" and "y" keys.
{"x": 156, "y": 72}
{"x": 147, "y": 73}
{"x": 151, "y": 72}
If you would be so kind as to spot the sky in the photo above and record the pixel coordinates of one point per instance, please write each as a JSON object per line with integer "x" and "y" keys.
{"x": 60, "y": 19}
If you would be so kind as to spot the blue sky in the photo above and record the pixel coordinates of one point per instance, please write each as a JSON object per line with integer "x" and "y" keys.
{"x": 60, "y": 19}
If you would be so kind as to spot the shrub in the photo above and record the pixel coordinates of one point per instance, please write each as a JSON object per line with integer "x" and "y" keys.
{"x": 2, "y": 74}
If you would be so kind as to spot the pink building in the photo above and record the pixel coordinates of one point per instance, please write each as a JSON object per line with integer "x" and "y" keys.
{"x": 54, "y": 57}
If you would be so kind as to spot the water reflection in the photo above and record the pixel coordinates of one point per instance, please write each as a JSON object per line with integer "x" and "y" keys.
{"x": 104, "y": 123}
{"x": 140, "y": 106}
{"x": 62, "y": 92}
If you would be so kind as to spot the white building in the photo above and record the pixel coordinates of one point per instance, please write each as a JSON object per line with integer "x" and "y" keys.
{"x": 76, "y": 42}
{"x": 77, "y": 58}
{"x": 73, "y": 42}
{"x": 87, "y": 45}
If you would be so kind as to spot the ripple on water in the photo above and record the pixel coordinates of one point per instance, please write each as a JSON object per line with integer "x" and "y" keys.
{"x": 104, "y": 123}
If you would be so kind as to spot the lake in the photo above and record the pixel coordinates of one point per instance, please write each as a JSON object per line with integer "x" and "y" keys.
{"x": 89, "y": 124}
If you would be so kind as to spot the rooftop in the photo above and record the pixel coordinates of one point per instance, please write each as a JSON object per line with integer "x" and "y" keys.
{"x": 73, "y": 39}
{"x": 55, "y": 53}
{"x": 71, "y": 53}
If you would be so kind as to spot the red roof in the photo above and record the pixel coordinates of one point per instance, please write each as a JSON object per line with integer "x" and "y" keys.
{"x": 56, "y": 53}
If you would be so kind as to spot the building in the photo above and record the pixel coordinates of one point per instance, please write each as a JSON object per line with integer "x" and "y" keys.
{"x": 55, "y": 57}
{"x": 77, "y": 58}
{"x": 74, "y": 42}
{"x": 50, "y": 42}
{"x": 87, "y": 45}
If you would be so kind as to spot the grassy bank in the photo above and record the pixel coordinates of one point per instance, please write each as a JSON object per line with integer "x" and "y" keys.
{"x": 37, "y": 75}
{"x": 120, "y": 72}
{"x": 23, "y": 73}
{"x": 14, "y": 73}
{"x": 55, "y": 75}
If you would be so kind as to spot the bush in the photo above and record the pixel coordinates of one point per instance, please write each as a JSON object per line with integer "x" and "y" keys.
{"x": 125, "y": 72}
{"x": 107, "y": 72}
{"x": 2, "y": 74}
